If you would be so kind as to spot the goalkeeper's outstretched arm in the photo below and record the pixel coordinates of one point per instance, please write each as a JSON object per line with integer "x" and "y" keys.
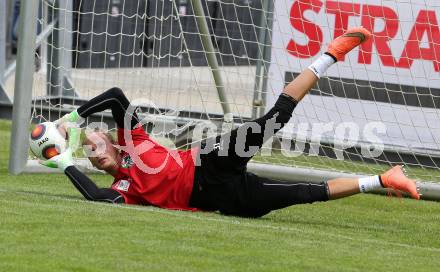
{"x": 89, "y": 189}
{"x": 113, "y": 99}
{"x": 81, "y": 182}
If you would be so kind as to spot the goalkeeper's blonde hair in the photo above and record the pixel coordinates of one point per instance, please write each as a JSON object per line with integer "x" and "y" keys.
{"x": 106, "y": 133}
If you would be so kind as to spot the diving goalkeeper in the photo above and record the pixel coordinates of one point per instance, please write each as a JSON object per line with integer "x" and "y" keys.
{"x": 220, "y": 182}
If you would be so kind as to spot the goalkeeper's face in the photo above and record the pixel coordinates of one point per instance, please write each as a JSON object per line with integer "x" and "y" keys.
{"x": 101, "y": 152}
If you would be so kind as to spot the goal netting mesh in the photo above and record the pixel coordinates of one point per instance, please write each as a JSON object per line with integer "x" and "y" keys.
{"x": 377, "y": 108}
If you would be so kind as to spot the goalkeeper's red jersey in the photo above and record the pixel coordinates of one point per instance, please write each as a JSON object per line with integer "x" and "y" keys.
{"x": 151, "y": 174}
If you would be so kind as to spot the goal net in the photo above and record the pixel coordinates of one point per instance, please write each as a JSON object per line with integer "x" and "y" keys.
{"x": 378, "y": 107}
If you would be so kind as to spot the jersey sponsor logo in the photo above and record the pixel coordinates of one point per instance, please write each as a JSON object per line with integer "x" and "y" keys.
{"x": 123, "y": 185}
{"x": 127, "y": 162}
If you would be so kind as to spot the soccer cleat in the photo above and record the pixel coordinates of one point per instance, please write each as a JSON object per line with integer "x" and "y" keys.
{"x": 343, "y": 44}
{"x": 396, "y": 179}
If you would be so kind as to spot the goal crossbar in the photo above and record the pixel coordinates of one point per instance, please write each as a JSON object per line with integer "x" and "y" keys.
{"x": 428, "y": 190}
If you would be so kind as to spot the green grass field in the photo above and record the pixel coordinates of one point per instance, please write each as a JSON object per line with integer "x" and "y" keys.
{"x": 46, "y": 225}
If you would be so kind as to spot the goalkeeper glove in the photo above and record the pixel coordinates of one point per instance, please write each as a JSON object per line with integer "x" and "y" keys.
{"x": 64, "y": 160}
{"x": 71, "y": 129}
{"x": 72, "y": 117}
{"x": 61, "y": 161}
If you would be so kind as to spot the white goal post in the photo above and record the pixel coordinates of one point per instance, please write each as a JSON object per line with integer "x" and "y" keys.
{"x": 225, "y": 62}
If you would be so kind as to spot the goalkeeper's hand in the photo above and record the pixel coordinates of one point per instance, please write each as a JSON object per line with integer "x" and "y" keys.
{"x": 61, "y": 161}
{"x": 64, "y": 160}
{"x": 72, "y": 117}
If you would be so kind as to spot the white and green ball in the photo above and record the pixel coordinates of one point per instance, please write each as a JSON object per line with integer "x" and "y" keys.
{"x": 47, "y": 141}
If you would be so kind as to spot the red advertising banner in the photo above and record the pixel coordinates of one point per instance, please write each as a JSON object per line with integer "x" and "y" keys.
{"x": 392, "y": 79}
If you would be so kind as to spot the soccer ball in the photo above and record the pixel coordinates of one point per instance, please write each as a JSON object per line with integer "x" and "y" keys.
{"x": 46, "y": 141}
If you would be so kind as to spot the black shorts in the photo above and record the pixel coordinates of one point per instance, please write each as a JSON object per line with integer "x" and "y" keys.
{"x": 222, "y": 182}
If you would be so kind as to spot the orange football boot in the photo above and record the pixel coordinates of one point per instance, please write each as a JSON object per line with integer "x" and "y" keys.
{"x": 396, "y": 179}
{"x": 343, "y": 44}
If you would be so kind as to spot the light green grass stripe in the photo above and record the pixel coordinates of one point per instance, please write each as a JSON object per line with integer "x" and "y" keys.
{"x": 184, "y": 215}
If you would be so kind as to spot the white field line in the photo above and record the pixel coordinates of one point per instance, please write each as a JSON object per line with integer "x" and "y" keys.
{"x": 224, "y": 220}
